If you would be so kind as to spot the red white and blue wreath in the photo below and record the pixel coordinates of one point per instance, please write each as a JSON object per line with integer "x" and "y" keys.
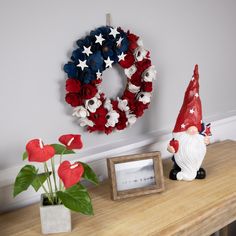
{"x": 98, "y": 51}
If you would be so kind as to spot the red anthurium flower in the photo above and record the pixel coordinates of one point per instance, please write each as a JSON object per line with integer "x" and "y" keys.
{"x": 70, "y": 174}
{"x": 39, "y": 152}
{"x": 71, "y": 141}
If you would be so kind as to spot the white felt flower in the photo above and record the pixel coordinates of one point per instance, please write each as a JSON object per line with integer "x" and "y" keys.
{"x": 144, "y": 97}
{"x": 80, "y": 112}
{"x": 140, "y": 42}
{"x": 123, "y": 104}
{"x": 140, "y": 53}
{"x": 85, "y": 121}
{"x": 130, "y": 71}
{"x": 149, "y": 74}
{"x": 107, "y": 104}
{"x": 112, "y": 118}
{"x": 131, "y": 118}
{"x": 133, "y": 88}
{"x": 92, "y": 104}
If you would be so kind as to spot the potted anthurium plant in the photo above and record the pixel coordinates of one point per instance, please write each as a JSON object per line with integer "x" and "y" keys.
{"x": 60, "y": 194}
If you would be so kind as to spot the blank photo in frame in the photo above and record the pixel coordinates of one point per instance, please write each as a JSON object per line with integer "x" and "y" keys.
{"x": 135, "y": 175}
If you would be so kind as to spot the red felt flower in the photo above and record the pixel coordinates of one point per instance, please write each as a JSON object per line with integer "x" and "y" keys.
{"x": 128, "y": 61}
{"x": 136, "y": 78}
{"x": 122, "y": 120}
{"x": 99, "y": 119}
{"x": 132, "y": 41}
{"x": 128, "y": 95}
{"x": 96, "y": 82}
{"x": 147, "y": 86}
{"x": 139, "y": 108}
{"x": 70, "y": 174}
{"x": 39, "y": 152}
{"x": 71, "y": 141}
{"x": 114, "y": 104}
{"x": 143, "y": 65}
{"x": 73, "y": 99}
{"x": 88, "y": 91}
{"x": 73, "y": 85}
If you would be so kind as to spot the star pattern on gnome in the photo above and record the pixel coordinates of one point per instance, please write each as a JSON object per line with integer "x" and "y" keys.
{"x": 183, "y": 126}
{"x": 196, "y": 95}
{"x": 108, "y": 62}
{"x": 114, "y": 32}
{"x": 121, "y": 57}
{"x": 191, "y": 111}
{"x": 99, "y": 39}
{"x": 87, "y": 50}
{"x": 82, "y": 64}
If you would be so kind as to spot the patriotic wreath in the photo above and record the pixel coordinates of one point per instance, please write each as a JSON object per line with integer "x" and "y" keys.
{"x": 98, "y": 51}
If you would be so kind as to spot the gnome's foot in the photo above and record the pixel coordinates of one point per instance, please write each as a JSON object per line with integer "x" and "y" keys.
{"x": 201, "y": 174}
{"x": 173, "y": 174}
{"x": 175, "y": 170}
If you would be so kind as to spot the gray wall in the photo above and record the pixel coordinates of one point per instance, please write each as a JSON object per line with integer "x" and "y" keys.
{"x": 37, "y": 38}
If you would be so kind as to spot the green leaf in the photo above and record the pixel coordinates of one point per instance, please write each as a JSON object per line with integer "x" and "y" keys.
{"x": 89, "y": 174}
{"x": 59, "y": 149}
{"x": 76, "y": 198}
{"x": 25, "y": 156}
{"x": 39, "y": 180}
{"x": 24, "y": 179}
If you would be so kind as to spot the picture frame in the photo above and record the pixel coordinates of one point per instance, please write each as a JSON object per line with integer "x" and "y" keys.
{"x": 135, "y": 175}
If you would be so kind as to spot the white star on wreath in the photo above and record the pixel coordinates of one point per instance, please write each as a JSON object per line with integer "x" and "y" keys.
{"x": 87, "y": 51}
{"x": 99, "y": 74}
{"x": 114, "y": 32}
{"x": 99, "y": 39}
{"x": 108, "y": 62}
{"x": 121, "y": 57}
{"x": 118, "y": 43}
{"x": 82, "y": 64}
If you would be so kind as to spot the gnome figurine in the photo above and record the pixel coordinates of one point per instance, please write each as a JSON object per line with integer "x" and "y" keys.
{"x": 190, "y": 136}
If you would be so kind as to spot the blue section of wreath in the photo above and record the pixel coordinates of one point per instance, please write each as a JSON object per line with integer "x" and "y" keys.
{"x": 95, "y": 61}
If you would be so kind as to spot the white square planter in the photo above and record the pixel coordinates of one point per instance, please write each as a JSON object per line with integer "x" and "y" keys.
{"x": 54, "y": 218}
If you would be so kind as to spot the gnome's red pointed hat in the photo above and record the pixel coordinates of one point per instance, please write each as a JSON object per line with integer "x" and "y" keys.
{"x": 191, "y": 110}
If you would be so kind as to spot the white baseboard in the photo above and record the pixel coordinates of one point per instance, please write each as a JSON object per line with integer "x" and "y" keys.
{"x": 222, "y": 129}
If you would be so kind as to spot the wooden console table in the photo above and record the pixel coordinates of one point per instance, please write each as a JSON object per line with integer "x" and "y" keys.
{"x": 193, "y": 208}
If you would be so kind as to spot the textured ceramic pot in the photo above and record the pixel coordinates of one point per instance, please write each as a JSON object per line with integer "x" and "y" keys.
{"x": 54, "y": 218}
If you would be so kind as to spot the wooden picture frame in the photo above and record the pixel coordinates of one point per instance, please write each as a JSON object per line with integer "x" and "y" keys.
{"x": 135, "y": 175}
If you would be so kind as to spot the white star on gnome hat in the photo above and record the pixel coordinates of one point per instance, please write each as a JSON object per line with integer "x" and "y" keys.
{"x": 191, "y": 111}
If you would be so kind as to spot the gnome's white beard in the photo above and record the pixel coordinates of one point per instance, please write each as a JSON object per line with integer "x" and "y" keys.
{"x": 190, "y": 155}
